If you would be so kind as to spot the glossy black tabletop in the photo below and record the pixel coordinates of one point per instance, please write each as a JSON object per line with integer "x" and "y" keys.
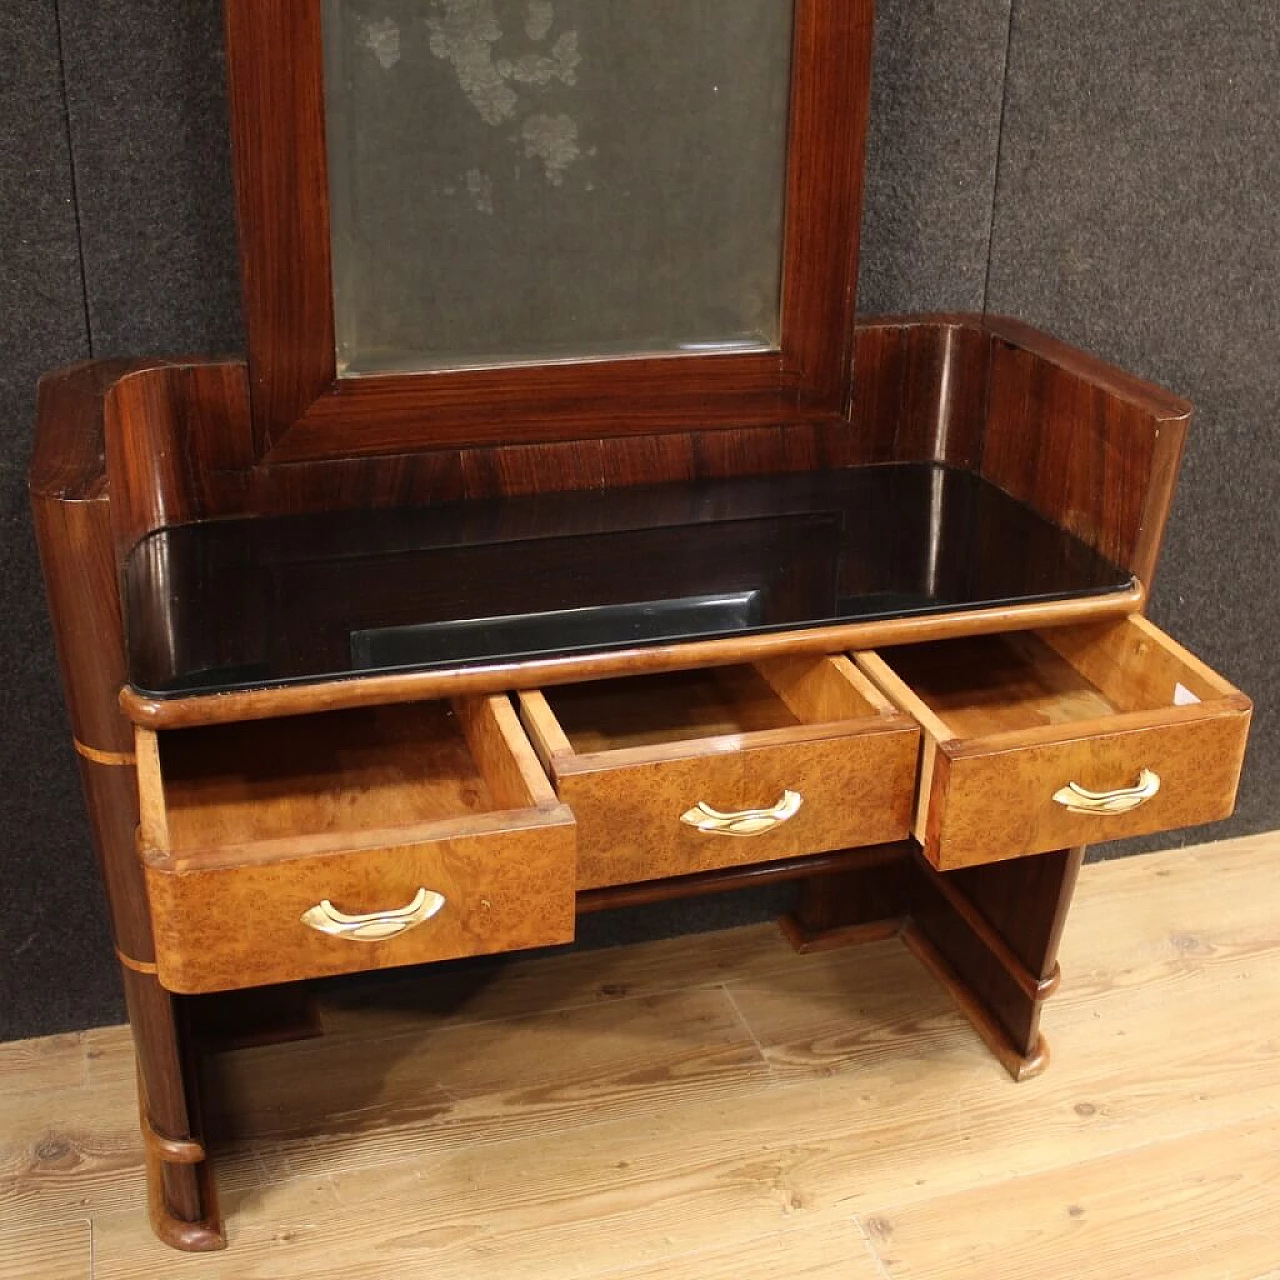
{"x": 256, "y": 602}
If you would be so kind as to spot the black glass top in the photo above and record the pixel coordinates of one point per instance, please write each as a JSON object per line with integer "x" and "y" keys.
{"x": 256, "y": 602}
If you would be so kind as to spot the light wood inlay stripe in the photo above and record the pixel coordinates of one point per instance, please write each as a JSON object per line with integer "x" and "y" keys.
{"x": 118, "y": 758}
{"x": 138, "y": 966}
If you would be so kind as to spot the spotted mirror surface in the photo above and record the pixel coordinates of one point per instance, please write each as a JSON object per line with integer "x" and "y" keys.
{"x": 518, "y": 181}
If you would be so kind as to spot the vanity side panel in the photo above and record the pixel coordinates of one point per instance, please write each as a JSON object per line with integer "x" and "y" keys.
{"x": 1093, "y": 448}
{"x": 72, "y": 512}
{"x": 72, "y": 517}
{"x": 176, "y": 439}
{"x": 879, "y": 377}
{"x": 945, "y": 396}
{"x": 920, "y": 389}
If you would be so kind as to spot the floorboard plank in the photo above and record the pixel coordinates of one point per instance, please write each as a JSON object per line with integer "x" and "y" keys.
{"x": 49, "y": 1065}
{"x": 1206, "y": 1207}
{"x": 830, "y": 1251}
{"x": 61, "y": 1252}
{"x": 79, "y": 1152}
{"x": 515, "y": 985}
{"x": 435, "y": 1089}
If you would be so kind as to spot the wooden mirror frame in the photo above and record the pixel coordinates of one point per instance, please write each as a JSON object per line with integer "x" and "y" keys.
{"x": 302, "y": 410}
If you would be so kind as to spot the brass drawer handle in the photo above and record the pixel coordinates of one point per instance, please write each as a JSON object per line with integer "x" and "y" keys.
{"x": 1079, "y": 800}
{"x": 378, "y": 927}
{"x": 750, "y": 822}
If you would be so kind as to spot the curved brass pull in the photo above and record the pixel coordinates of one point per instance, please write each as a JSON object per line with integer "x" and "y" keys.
{"x": 750, "y": 822}
{"x": 378, "y": 927}
{"x": 1076, "y": 798}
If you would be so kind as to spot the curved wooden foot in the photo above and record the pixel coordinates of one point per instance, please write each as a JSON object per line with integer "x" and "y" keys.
{"x": 1034, "y": 1063}
{"x": 177, "y": 1233}
{"x": 179, "y": 1165}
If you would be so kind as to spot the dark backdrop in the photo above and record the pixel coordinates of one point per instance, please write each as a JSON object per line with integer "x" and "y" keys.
{"x": 1105, "y": 169}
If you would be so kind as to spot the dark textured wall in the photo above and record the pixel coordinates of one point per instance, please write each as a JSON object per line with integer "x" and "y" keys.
{"x": 1105, "y": 170}
{"x": 51, "y": 925}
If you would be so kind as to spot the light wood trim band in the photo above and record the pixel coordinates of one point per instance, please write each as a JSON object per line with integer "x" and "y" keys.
{"x": 122, "y": 759}
{"x": 138, "y": 966}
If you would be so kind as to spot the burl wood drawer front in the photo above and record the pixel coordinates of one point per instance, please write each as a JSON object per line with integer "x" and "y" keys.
{"x": 669, "y": 775}
{"x": 1067, "y": 736}
{"x": 349, "y": 841}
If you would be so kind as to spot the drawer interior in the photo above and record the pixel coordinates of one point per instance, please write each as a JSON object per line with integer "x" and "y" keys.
{"x": 343, "y": 772}
{"x": 980, "y": 686}
{"x": 989, "y": 684}
{"x": 645, "y": 711}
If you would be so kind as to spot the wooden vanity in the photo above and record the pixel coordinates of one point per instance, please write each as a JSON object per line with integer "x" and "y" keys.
{"x": 380, "y": 669}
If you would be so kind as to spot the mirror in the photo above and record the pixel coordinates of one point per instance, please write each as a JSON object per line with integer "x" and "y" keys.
{"x": 525, "y": 181}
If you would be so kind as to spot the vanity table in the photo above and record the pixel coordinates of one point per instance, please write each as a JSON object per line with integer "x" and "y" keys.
{"x": 475, "y": 600}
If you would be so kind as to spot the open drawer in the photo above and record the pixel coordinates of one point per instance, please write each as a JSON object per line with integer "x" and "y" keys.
{"x": 349, "y": 840}
{"x": 1063, "y": 737}
{"x": 689, "y": 771}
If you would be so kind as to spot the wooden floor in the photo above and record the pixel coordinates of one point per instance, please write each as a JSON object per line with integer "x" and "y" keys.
{"x": 719, "y": 1108}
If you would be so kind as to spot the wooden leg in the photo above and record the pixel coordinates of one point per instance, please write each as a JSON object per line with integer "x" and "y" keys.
{"x": 990, "y": 934}
{"x": 179, "y": 1177}
{"x": 71, "y": 508}
{"x": 837, "y": 909}
{"x": 180, "y": 1190}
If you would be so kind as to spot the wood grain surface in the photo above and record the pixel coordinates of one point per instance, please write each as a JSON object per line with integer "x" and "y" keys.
{"x": 1009, "y": 720}
{"x": 857, "y": 789}
{"x": 1096, "y": 1219}
{"x": 1094, "y": 448}
{"x": 240, "y": 925}
{"x": 182, "y": 444}
{"x": 60, "y": 1253}
{"x": 630, "y": 757}
{"x": 988, "y": 803}
{"x": 353, "y": 771}
{"x": 246, "y": 827}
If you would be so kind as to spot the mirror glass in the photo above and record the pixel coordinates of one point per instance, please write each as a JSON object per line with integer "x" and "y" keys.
{"x": 523, "y": 181}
